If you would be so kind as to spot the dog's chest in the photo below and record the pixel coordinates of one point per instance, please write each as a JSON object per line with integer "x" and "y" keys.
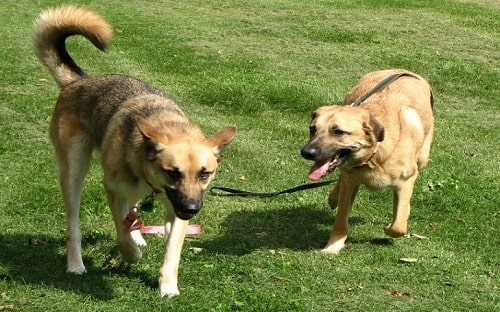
{"x": 374, "y": 179}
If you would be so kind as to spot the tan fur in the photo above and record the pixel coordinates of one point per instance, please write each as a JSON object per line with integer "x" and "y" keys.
{"x": 146, "y": 143}
{"x": 388, "y": 137}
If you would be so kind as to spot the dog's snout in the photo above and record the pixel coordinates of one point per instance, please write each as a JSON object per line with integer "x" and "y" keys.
{"x": 184, "y": 207}
{"x": 188, "y": 209}
{"x": 192, "y": 207}
{"x": 309, "y": 152}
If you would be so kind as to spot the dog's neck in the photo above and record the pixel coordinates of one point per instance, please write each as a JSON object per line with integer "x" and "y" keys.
{"x": 366, "y": 162}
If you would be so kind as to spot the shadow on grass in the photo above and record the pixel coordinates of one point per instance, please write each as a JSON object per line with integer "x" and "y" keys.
{"x": 298, "y": 228}
{"x": 29, "y": 259}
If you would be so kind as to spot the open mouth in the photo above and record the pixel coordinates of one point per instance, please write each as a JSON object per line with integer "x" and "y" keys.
{"x": 325, "y": 167}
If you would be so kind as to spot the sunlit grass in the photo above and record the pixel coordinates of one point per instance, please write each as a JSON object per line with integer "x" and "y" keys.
{"x": 265, "y": 66}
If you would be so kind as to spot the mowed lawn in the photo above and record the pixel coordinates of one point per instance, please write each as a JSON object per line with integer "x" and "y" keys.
{"x": 264, "y": 66}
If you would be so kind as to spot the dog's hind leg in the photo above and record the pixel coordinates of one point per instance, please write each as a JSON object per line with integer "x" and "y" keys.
{"x": 346, "y": 195}
{"x": 423, "y": 154}
{"x": 401, "y": 208}
{"x": 73, "y": 159}
{"x": 175, "y": 229}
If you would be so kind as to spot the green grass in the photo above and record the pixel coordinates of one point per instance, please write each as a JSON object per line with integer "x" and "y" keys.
{"x": 265, "y": 66}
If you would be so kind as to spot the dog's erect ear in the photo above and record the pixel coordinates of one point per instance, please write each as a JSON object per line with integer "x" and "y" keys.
{"x": 221, "y": 139}
{"x": 376, "y": 127}
{"x": 151, "y": 138}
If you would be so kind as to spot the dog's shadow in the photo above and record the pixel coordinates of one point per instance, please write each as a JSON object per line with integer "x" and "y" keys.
{"x": 33, "y": 259}
{"x": 296, "y": 228}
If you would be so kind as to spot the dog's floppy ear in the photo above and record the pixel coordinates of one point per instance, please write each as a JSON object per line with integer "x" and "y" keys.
{"x": 376, "y": 127}
{"x": 221, "y": 139}
{"x": 151, "y": 138}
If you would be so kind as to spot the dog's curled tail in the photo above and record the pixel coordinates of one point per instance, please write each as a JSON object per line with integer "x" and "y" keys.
{"x": 52, "y": 28}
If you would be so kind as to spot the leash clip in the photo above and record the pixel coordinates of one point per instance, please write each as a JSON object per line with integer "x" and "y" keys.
{"x": 131, "y": 222}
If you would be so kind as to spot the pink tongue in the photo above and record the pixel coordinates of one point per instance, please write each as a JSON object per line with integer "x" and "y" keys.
{"x": 319, "y": 170}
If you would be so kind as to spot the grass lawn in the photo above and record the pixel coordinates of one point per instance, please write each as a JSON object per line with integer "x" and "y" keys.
{"x": 264, "y": 66}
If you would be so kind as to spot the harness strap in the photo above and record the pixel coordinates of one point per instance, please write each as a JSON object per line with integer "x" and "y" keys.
{"x": 379, "y": 86}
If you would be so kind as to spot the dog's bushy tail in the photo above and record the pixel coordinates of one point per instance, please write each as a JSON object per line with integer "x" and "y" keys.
{"x": 52, "y": 28}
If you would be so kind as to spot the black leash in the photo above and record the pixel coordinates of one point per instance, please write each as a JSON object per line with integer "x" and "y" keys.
{"x": 234, "y": 192}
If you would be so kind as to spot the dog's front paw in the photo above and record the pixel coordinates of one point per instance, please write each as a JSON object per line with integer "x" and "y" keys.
{"x": 129, "y": 250}
{"x": 138, "y": 239}
{"x": 168, "y": 289}
{"x": 395, "y": 230}
{"x": 78, "y": 270}
{"x": 330, "y": 251}
{"x": 333, "y": 248}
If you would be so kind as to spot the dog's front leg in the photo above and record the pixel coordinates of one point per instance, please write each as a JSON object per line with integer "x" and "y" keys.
{"x": 333, "y": 198}
{"x": 127, "y": 245}
{"x": 176, "y": 229}
{"x": 346, "y": 194}
{"x": 401, "y": 208}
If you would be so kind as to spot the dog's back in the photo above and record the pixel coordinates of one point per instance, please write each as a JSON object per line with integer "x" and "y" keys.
{"x": 95, "y": 100}
{"x": 409, "y": 100}
{"x": 417, "y": 94}
{"x": 92, "y": 101}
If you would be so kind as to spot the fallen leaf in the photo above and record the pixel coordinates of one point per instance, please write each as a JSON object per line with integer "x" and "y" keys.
{"x": 418, "y": 236}
{"x": 408, "y": 260}
{"x": 196, "y": 250}
{"x": 396, "y": 293}
{"x": 279, "y": 278}
{"x": 352, "y": 288}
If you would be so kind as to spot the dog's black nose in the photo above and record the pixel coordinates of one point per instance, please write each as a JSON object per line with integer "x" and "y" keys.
{"x": 188, "y": 210}
{"x": 191, "y": 207}
{"x": 309, "y": 152}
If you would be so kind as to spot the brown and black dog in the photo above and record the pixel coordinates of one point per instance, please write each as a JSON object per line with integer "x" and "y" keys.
{"x": 384, "y": 142}
{"x": 146, "y": 143}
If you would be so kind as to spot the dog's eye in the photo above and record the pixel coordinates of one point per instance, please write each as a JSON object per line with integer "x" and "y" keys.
{"x": 312, "y": 130}
{"x": 173, "y": 174}
{"x": 337, "y": 132}
{"x": 204, "y": 174}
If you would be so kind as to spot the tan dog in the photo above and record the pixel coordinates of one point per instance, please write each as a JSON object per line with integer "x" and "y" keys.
{"x": 384, "y": 142}
{"x": 146, "y": 143}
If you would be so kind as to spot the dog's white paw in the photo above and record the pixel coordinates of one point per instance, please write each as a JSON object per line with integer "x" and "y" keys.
{"x": 129, "y": 250}
{"x": 333, "y": 249}
{"x": 78, "y": 270}
{"x": 168, "y": 290}
{"x": 138, "y": 239}
{"x": 330, "y": 251}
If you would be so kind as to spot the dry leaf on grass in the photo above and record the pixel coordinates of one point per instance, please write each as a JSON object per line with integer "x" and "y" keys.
{"x": 396, "y": 293}
{"x": 418, "y": 236}
{"x": 408, "y": 260}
